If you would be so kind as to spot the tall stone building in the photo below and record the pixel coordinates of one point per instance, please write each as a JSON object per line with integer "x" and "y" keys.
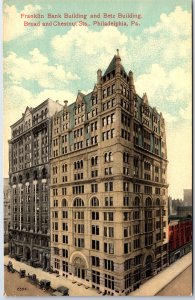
{"x": 109, "y": 210}
{"x": 7, "y": 210}
{"x": 29, "y": 150}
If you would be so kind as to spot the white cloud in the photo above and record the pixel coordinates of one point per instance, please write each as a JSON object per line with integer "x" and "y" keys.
{"x": 169, "y": 118}
{"x": 13, "y": 24}
{"x": 87, "y": 42}
{"x": 36, "y": 68}
{"x": 81, "y": 47}
{"x": 186, "y": 113}
{"x": 165, "y": 88}
{"x": 168, "y": 42}
{"x": 177, "y": 23}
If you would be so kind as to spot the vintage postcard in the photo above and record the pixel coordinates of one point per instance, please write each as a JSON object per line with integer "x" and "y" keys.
{"x": 97, "y": 147}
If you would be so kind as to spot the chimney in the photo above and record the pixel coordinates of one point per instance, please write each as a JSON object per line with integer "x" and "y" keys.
{"x": 65, "y": 103}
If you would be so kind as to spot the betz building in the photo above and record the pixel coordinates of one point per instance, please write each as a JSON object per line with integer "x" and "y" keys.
{"x": 29, "y": 175}
{"x": 108, "y": 200}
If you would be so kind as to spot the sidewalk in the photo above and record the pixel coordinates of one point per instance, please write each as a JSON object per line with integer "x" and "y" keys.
{"x": 157, "y": 283}
{"x": 74, "y": 289}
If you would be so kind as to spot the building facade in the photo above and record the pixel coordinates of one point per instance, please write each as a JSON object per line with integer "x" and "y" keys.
{"x": 29, "y": 150}
{"x": 7, "y": 210}
{"x": 108, "y": 193}
{"x": 180, "y": 237}
{"x": 187, "y": 197}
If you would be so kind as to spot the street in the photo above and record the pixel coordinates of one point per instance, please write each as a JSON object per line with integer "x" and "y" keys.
{"x": 180, "y": 286}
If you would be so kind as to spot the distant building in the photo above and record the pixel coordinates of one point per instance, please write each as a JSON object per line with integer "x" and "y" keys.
{"x": 184, "y": 211}
{"x": 180, "y": 237}
{"x": 175, "y": 203}
{"x": 170, "y": 206}
{"x": 188, "y": 197}
{"x": 7, "y": 211}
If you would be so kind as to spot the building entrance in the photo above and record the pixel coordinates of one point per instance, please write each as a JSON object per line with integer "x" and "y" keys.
{"x": 80, "y": 268}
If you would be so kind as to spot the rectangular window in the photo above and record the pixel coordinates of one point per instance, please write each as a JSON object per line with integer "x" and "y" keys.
{"x": 108, "y": 216}
{"x": 108, "y": 201}
{"x": 95, "y": 261}
{"x": 95, "y": 277}
{"x": 65, "y": 266}
{"x": 95, "y": 229}
{"x": 65, "y": 226}
{"x": 95, "y": 245}
{"x": 95, "y": 215}
{"x": 108, "y": 186}
{"x": 136, "y": 243}
{"x": 94, "y": 187}
{"x": 126, "y": 201}
{"x": 65, "y": 239}
{"x": 109, "y": 281}
{"x": 108, "y": 265}
{"x": 109, "y": 231}
{"x": 65, "y": 253}
{"x": 65, "y": 214}
{"x": 109, "y": 248}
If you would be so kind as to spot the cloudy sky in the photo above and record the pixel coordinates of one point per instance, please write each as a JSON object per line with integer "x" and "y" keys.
{"x": 55, "y": 62}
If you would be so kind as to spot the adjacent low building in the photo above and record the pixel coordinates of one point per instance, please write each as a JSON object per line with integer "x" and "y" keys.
{"x": 180, "y": 237}
{"x": 108, "y": 186}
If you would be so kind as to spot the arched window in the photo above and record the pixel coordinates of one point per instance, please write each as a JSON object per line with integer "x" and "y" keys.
{"x": 64, "y": 202}
{"x": 147, "y": 165}
{"x": 136, "y": 201}
{"x": 27, "y": 176}
{"x": 64, "y": 168}
{"x": 126, "y": 157}
{"x": 94, "y": 161}
{"x": 94, "y": 201}
{"x": 108, "y": 157}
{"x": 148, "y": 202}
{"x": 20, "y": 179}
{"x": 14, "y": 180}
{"x": 78, "y": 202}
{"x": 157, "y": 202}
